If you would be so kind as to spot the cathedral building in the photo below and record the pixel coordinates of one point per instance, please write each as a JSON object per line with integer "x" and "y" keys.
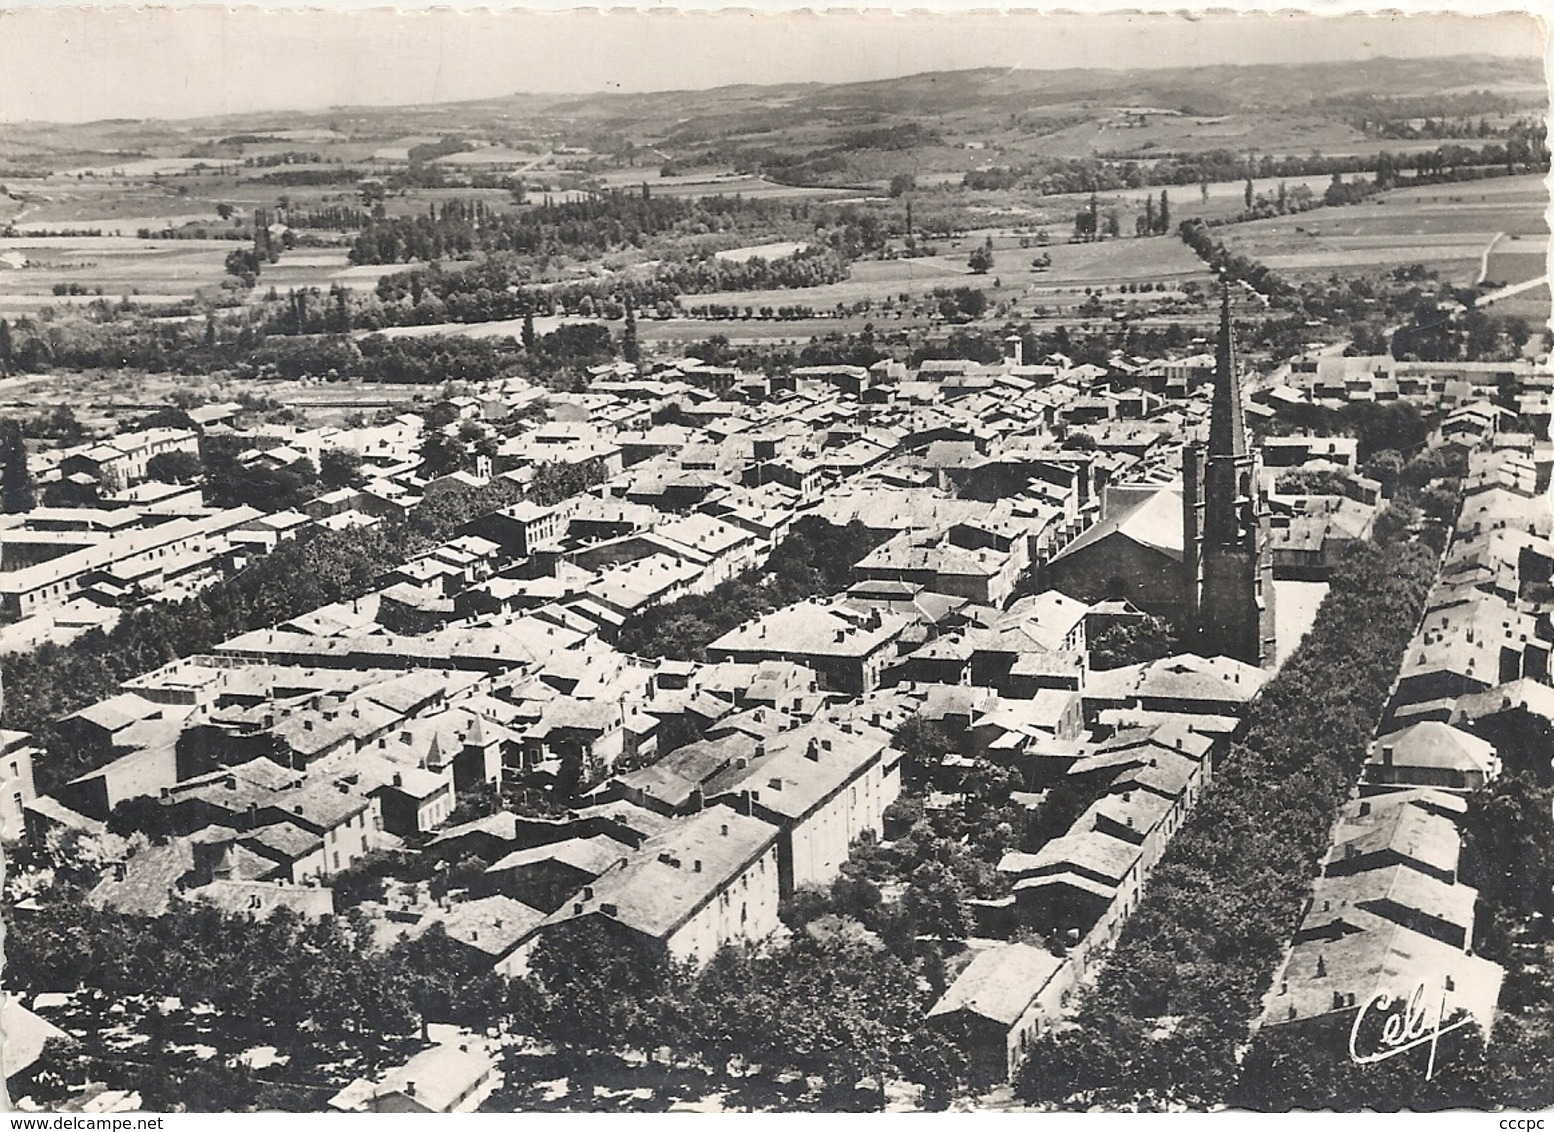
{"x": 1197, "y": 554}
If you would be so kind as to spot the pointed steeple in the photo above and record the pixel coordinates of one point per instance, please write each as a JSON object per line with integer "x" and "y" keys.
{"x": 1227, "y": 426}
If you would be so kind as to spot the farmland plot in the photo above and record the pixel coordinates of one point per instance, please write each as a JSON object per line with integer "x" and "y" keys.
{"x": 1445, "y": 227}
{"x": 119, "y": 266}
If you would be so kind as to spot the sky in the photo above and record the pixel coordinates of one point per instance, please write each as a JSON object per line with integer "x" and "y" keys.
{"x": 70, "y": 63}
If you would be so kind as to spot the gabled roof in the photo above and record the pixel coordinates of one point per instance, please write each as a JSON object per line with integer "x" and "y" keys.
{"x": 676, "y": 872}
{"x": 999, "y": 983}
{"x": 1154, "y": 521}
{"x": 1437, "y": 746}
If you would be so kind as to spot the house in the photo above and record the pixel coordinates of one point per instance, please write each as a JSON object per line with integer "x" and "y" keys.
{"x": 1432, "y": 754}
{"x": 492, "y": 929}
{"x": 995, "y": 1008}
{"x": 16, "y": 784}
{"x": 25, "y": 1036}
{"x": 451, "y": 1077}
{"x": 1186, "y": 683}
{"x": 1518, "y": 718}
{"x": 414, "y": 800}
{"x": 702, "y": 882}
{"x": 520, "y": 529}
{"x": 947, "y": 562}
{"x": 824, "y": 785}
{"x": 848, "y": 650}
{"x": 1332, "y": 978}
{"x": 122, "y": 461}
{"x": 1380, "y": 835}
{"x": 546, "y": 876}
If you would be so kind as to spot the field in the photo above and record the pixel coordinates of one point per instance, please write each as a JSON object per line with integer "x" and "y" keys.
{"x": 1446, "y": 227}
{"x": 1516, "y": 259}
{"x": 1163, "y": 259}
{"x": 704, "y": 183}
{"x": 763, "y": 251}
{"x": 153, "y": 270}
{"x": 120, "y": 394}
{"x": 108, "y": 265}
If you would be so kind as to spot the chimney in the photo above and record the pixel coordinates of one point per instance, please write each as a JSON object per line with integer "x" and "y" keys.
{"x": 723, "y": 830}
{"x": 230, "y": 782}
{"x": 609, "y": 910}
{"x": 588, "y": 892}
{"x": 775, "y": 784}
{"x": 1386, "y": 755}
{"x": 1365, "y": 809}
{"x": 812, "y": 752}
{"x": 399, "y": 779}
{"x": 696, "y": 866}
{"x": 409, "y": 1088}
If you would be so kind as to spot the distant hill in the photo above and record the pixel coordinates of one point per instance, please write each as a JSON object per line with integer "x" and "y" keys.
{"x": 940, "y": 122}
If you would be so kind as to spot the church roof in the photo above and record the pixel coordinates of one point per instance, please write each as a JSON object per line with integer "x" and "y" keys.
{"x": 1154, "y": 521}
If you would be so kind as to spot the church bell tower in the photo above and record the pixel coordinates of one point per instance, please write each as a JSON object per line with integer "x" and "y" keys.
{"x": 1226, "y": 557}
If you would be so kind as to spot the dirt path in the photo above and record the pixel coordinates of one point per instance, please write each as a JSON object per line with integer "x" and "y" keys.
{"x": 1513, "y": 289}
{"x": 1483, "y": 260}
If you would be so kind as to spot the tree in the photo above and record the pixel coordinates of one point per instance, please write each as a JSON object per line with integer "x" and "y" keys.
{"x": 601, "y": 990}
{"x": 981, "y": 261}
{"x": 1385, "y": 466}
{"x": 175, "y": 467}
{"x": 528, "y": 330}
{"x": 923, "y": 745}
{"x": 1247, "y": 192}
{"x": 442, "y": 453}
{"x": 936, "y": 902}
{"x": 1165, "y": 212}
{"x": 901, "y": 184}
{"x": 244, "y": 264}
{"x": 340, "y": 467}
{"x": 630, "y": 350}
{"x": 7, "y": 349}
{"x": 16, "y": 488}
{"x": 553, "y": 482}
{"x": 1133, "y": 641}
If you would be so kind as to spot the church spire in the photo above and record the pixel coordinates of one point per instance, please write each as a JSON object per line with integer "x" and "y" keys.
{"x": 1227, "y": 427}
